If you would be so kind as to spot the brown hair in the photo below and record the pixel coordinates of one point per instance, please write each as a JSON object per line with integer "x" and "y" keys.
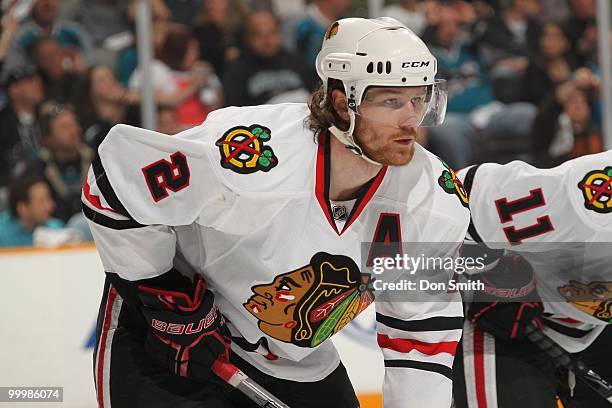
{"x": 49, "y": 111}
{"x": 19, "y": 190}
{"x": 175, "y": 46}
{"x": 322, "y": 112}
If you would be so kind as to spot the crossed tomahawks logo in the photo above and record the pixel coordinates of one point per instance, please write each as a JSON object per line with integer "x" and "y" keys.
{"x": 596, "y": 187}
{"x": 452, "y": 185}
{"x": 243, "y": 149}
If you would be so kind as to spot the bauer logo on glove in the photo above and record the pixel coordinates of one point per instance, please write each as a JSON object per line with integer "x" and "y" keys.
{"x": 179, "y": 328}
{"x": 186, "y": 331}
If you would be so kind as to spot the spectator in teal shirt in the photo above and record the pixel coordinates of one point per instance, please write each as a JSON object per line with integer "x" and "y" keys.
{"x": 30, "y": 206}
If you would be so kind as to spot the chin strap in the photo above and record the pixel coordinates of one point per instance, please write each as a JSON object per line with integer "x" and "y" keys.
{"x": 347, "y": 139}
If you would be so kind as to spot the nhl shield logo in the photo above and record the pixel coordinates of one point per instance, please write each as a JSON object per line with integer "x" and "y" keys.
{"x": 243, "y": 149}
{"x": 339, "y": 212}
{"x": 596, "y": 187}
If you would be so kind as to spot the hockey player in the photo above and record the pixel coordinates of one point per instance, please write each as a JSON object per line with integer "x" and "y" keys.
{"x": 560, "y": 221}
{"x": 250, "y": 226}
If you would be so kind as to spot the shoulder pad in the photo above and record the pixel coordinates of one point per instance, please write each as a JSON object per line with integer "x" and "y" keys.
{"x": 158, "y": 179}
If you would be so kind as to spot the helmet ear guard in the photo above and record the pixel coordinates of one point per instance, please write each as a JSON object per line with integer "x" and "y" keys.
{"x": 376, "y": 52}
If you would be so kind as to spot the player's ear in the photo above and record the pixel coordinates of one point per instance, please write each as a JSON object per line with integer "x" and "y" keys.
{"x": 340, "y": 104}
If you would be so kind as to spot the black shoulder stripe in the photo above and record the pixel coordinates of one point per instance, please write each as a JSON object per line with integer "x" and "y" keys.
{"x": 421, "y": 365}
{"x": 106, "y": 189}
{"x": 473, "y": 233}
{"x": 467, "y": 184}
{"x": 108, "y": 222}
{"x": 439, "y": 323}
{"x": 469, "y": 179}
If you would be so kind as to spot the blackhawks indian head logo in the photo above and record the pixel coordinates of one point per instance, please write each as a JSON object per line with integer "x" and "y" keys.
{"x": 243, "y": 149}
{"x": 308, "y": 305}
{"x": 596, "y": 187}
{"x": 593, "y": 298}
{"x": 452, "y": 185}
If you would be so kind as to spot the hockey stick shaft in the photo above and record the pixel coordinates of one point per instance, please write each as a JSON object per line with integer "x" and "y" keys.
{"x": 564, "y": 359}
{"x": 239, "y": 380}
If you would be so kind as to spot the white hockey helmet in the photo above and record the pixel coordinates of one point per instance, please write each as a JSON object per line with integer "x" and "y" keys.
{"x": 378, "y": 52}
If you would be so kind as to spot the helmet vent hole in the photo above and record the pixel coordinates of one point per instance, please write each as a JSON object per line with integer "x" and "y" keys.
{"x": 403, "y": 79}
{"x": 343, "y": 66}
{"x": 379, "y": 67}
{"x": 388, "y": 67}
{"x": 370, "y": 68}
{"x": 329, "y": 65}
{"x": 424, "y": 78}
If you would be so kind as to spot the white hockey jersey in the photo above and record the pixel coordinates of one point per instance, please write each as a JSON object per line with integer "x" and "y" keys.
{"x": 243, "y": 200}
{"x": 560, "y": 220}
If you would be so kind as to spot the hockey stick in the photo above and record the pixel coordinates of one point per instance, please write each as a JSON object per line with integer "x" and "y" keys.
{"x": 564, "y": 359}
{"x": 239, "y": 380}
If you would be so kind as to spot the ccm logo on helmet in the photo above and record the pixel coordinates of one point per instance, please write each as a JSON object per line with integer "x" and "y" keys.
{"x": 415, "y": 64}
{"x": 179, "y": 328}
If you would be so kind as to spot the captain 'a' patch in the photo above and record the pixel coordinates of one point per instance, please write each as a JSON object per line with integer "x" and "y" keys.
{"x": 596, "y": 187}
{"x": 309, "y": 304}
{"x": 243, "y": 149}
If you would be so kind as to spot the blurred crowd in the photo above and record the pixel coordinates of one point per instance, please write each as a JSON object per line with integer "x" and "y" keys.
{"x": 522, "y": 76}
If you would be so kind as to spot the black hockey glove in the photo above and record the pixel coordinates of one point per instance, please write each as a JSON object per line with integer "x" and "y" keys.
{"x": 186, "y": 331}
{"x": 510, "y": 301}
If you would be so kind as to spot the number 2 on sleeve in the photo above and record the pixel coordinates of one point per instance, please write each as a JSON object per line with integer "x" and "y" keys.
{"x": 164, "y": 175}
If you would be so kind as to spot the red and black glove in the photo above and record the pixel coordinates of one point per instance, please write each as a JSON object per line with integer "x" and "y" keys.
{"x": 510, "y": 301}
{"x": 186, "y": 331}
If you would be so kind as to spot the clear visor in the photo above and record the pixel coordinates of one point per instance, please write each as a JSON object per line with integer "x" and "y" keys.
{"x": 409, "y": 106}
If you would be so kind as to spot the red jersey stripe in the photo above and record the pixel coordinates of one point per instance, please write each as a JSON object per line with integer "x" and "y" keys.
{"x": 407, "y": 345}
